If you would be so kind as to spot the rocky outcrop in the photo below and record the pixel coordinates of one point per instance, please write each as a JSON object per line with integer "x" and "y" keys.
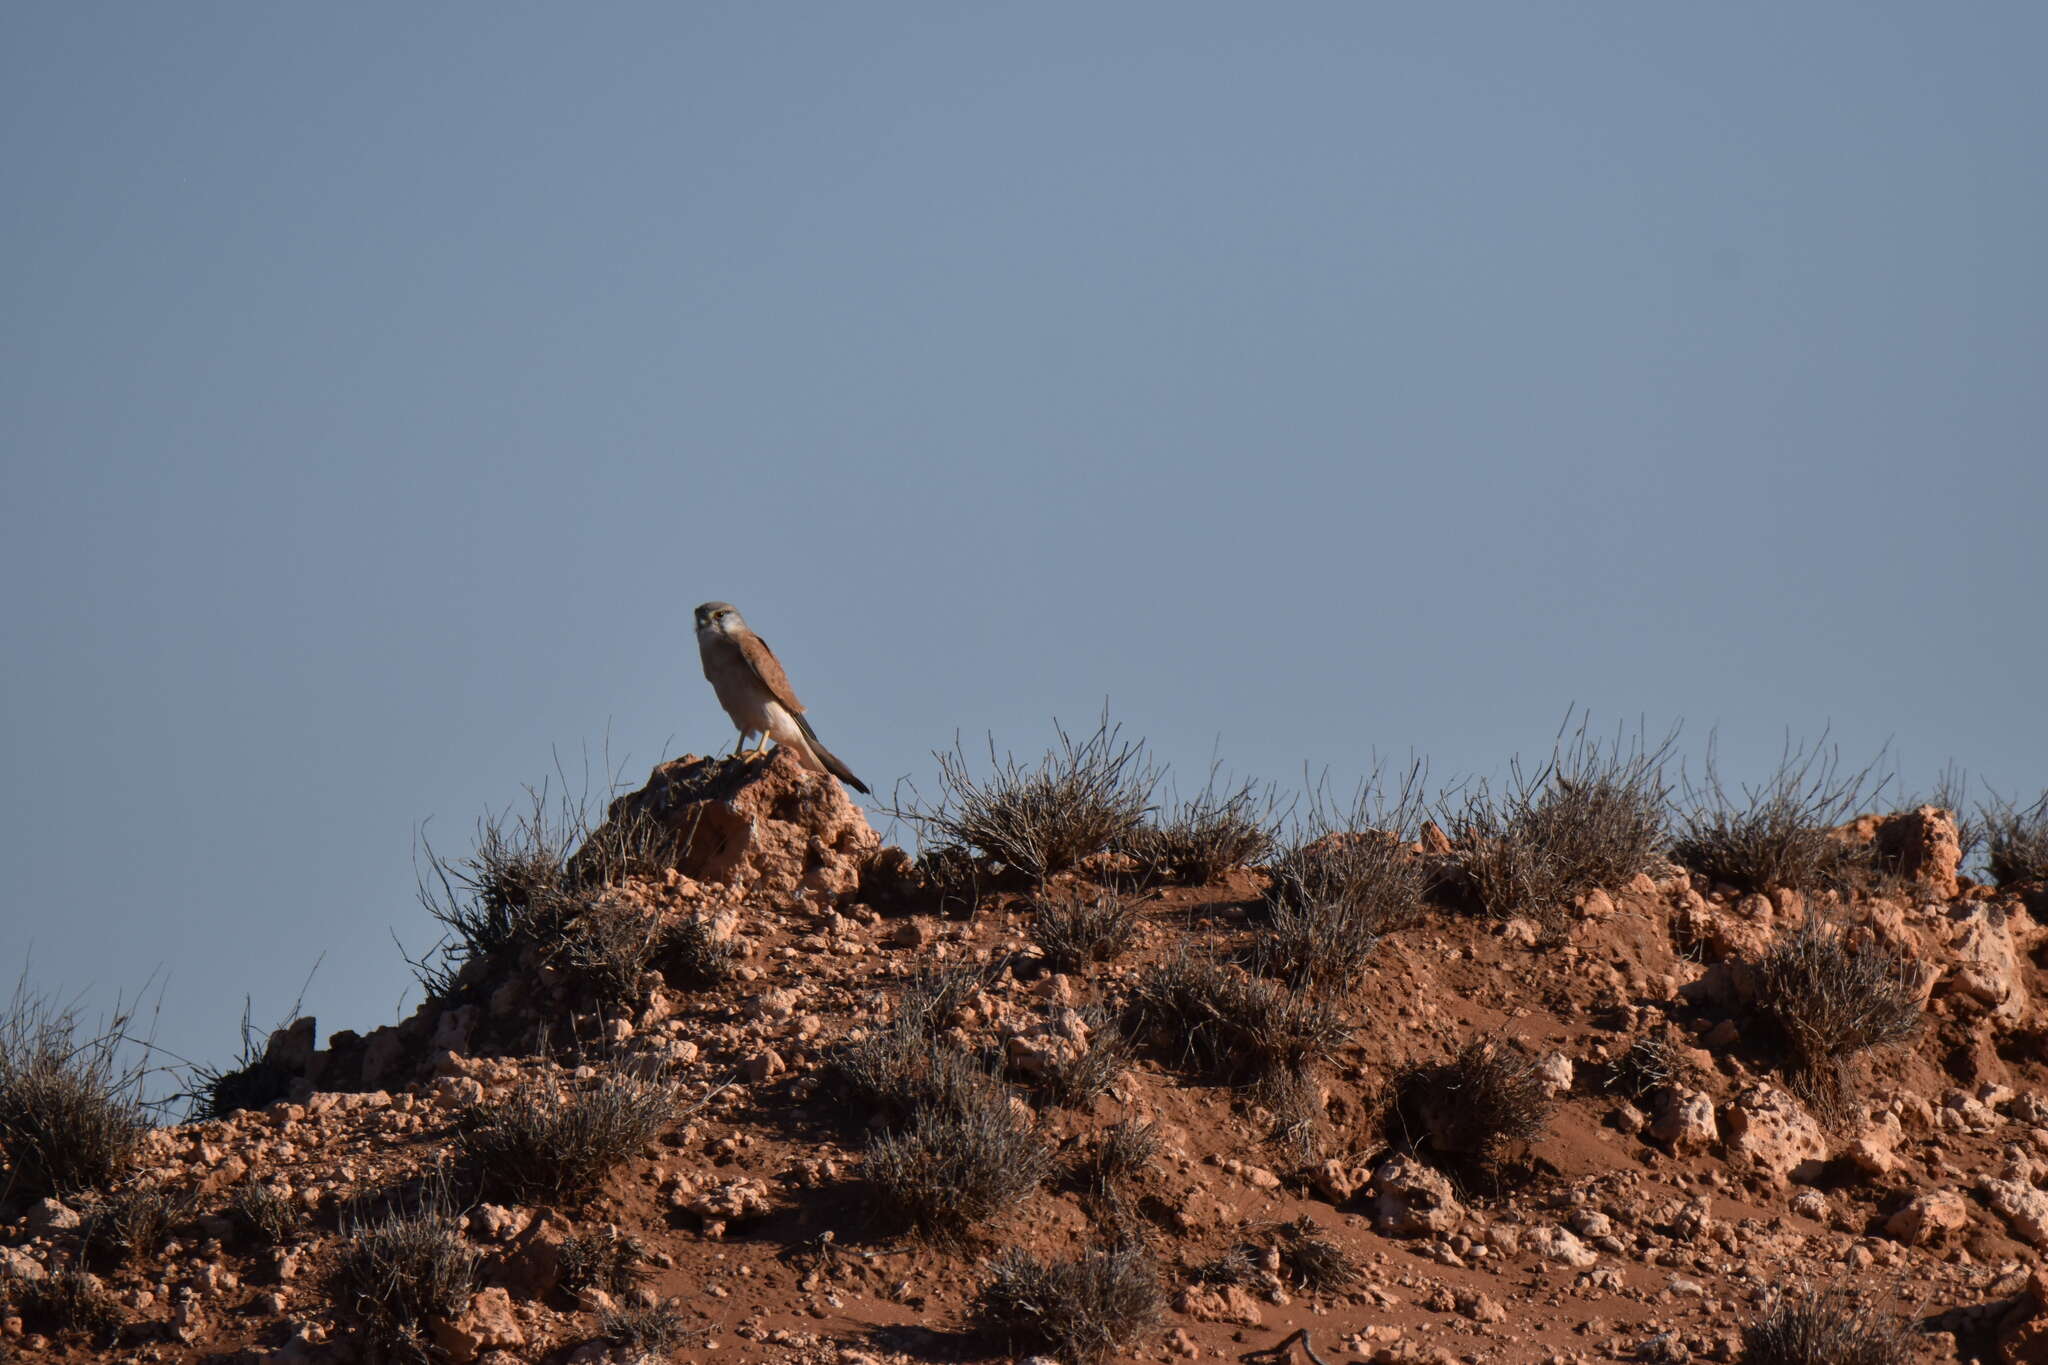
{"x": 770, "y": 826}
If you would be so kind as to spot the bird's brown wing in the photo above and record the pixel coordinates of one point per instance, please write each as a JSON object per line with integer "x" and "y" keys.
{"x": 768, "y": 669}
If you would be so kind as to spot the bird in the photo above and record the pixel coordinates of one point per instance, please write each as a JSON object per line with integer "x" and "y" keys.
{"x": 755, "y": 692}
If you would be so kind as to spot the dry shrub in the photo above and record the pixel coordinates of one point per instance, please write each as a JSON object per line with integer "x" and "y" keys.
{"x": 1593, "y": 816}
{"x": 1776, "y": 835}
{"x": 1078, "y": 801}
{"x": 2016, "y": 841}
{"x": 1233, "y": 1027}
{"x": 71, "y": 1110}
{"x": 602, "y": 1258}
{"x": 1813, "y": 1326}
{"x": 64, "y": 1302}
{"x": 1467, "y": 1108}
{"x": 1201, "y": 839}
{"x": 1076, "y": 1082}
{"x": 1346, "y": 879}
{"x": 1121, "y": 1153}
{"x": 1084, "y": 1310}
{"x": 401, "y": 1268}
{"x": 608, "y": 946}
{"x": 653, "y": 1331}
{"x": 1074, "y": 931}
{"x": 522, "y": 884}
{"x": 555, "y": 1138}
{"x": 910, "y": 1064}
{"x": 1831, "y": 999}
{"x": 134, "y": 1223}
{"x": 1649, "y": 1063}
{"x": 266, "y": 1216}
{"x": 1307, "y": 1259}
{"x": 950, "y": 1169}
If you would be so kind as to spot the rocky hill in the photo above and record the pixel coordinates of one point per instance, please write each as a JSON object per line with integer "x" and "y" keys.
{"x": 733, "y": 1082}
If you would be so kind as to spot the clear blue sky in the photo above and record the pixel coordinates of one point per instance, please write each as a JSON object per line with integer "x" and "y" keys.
{"x": 381, "y": 385}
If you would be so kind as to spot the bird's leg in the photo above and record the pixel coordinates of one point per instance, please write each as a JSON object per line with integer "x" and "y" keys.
{"x": 741, "y": 745}
{"x": 761, "y": 749}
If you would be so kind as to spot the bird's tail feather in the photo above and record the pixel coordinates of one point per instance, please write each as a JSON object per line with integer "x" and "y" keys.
{"x": 828, "y": 760}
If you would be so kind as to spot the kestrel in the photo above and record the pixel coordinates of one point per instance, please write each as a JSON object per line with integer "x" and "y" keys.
{"x": 755, "y": 692}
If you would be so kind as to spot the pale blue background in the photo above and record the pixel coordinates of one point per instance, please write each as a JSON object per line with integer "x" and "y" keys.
{"x": 381, "y": 385}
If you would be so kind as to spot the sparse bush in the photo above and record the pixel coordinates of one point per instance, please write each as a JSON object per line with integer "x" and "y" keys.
{"x": 1319, "y": 945}
{"x": 266, "y": 1216}
{"x": 553, "y": 1137}
{"x": 600, "y": 1259}
{"x": 1593, "y": 816}
{"x": 947, "y": 1170}
{"x": 2016, "y": 840}
{"x": 66, "y": 1301}
{"x": 1487, "y": 1095}
{"x": 70, "y": 1109}
{"x": 1075, "y": 1082}
{"x": 1203, "y": 838}
{"x": 1312, "y": 1261}
{"x": 654, "y": 1331}
{"x": 400, "y": 1269}
{"x": 1359, "y": 884}
{"x": 908, "y": 1064}
{"x": 690, "y": 953}
{"x": 1233, "y": 1027}
{"x": 522, "y": 885}
{"x": 1831, "y": 1000}
{"x": 1238, "y": 1264}
{"x": 1074, "y": 931}
{"x": 1811, "y": 1326}
{"x": 255, "y": 1082}
{"x": 1776, "y": 835}
{"x": 1082, "y": 1311}
{"x": 1650, "y": 1063}
{"x": 1078, "y": 801}
{"x": 1121, "y": 1153}
{"x": 135, "y": 1222}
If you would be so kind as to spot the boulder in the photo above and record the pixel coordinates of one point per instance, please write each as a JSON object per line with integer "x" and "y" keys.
{"x": 1773, "y": 1132}
{"x": 1929, "y": 1217}
{"x": 2024, "y": 1208}
{"x": 771, "y": 826}
{"x": 1410, "y": 1199}
{"x": 1685, "y": 1120}
{"x": 489, "y": 1324}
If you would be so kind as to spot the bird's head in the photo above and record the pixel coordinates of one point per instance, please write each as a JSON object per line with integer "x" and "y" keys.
{"x": 719, "y": 618}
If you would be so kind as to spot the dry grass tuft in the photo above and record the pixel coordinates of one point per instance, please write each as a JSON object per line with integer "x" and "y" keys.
{"x": 1234, "y": 1027}
{"x": 398, "y": 1270}
{"x": 2016, "y": 841}
{"x": 1593, "y": 816}
{"x": 654, "y": 1331}
{"x": 1776, "y": 835}
{"x": 555, "y": 1138}
{"x": 1083, "y": 1311}
{"x": 1121, "y": 1153}
{"x": 1468, "y": 1108}
{"x": 266, "y": 1216}
{"x": 64, "y": 1302}
{"x": 910, "y": 1064}
{"x": 1076, "y": 931}
{"x": 1076, "y": 1082}
{"x": 1831, "y": 1000}
{"x": 1344, "y": 881}
{"x": 948, "y": 1170}
{"x": 1078, "y": 801}
{"x": 1313, "y": 1262}
{"x": 1203, "y": 838}
{"x": 1650, "y": 1063}
{"x": 599, "y": 1259}
{"x": 1812, "y": 1326}
{"x": 134, "y": 1223}
{"x": 70, "y": 1109}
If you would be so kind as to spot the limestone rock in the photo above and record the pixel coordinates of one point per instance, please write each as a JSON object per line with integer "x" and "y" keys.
{"x": 1685, "y": 1120}
{"x": 489, "y": 1324}
{"x": 772, "y": 827}
{"x": 1410, "y": 1199}
{"x": 1772, "y": 1131}
{"x": 1554, "y": 1243}
{"x": 1928, "y": 1217}
{"x": 2024, "y": 1208}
